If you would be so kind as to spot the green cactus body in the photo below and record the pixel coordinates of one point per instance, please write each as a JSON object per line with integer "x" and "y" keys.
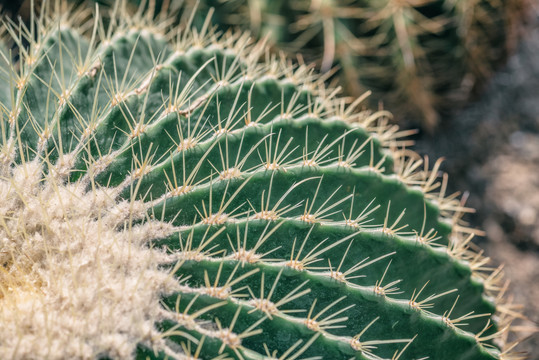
{"x": 167, "y": 195}
{"x": 418, "y": 57}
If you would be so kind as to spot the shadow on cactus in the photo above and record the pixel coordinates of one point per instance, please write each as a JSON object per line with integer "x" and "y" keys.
{"x": 166, "y": 194}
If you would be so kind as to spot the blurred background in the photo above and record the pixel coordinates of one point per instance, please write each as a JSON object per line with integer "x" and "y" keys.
{"x": 491, "y": 151}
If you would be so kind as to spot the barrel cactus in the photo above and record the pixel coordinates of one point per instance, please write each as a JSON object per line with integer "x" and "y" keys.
{"x": 166, "y": 194}
{"x": 419, "y": 57}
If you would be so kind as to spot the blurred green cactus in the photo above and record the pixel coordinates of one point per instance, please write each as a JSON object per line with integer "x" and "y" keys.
{"x": 169, "y": 195}
{"x": 417, "y": 56}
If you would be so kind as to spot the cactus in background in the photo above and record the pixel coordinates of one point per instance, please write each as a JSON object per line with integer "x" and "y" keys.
{"x": 168, "y": 195}
{"x": 418, "y": 56}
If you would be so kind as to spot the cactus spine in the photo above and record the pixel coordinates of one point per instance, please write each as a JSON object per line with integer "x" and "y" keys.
{"x": 167, "y": 195}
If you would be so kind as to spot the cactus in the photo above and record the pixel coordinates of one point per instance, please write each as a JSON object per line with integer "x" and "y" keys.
{"x": 166, "y": 194}
{"x": 419, "y": 57}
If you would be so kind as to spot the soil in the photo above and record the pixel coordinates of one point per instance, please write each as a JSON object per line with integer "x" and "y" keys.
{"x": 491, "y": 151}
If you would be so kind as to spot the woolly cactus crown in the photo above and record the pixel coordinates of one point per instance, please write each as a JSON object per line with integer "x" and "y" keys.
{"x": 167, "y": 194}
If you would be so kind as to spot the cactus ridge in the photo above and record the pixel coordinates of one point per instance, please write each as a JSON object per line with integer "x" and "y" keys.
{"x": 168, "y": 195}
